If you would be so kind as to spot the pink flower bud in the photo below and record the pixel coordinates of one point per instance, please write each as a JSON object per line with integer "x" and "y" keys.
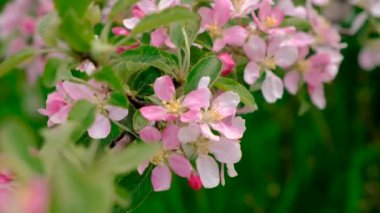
{"x": 137, "y": 12}
{"x": 120, "y": 31}
{"x": 228, "y": 63}
{"x": 195, "y": 182}
{"x": 28, "y": 26}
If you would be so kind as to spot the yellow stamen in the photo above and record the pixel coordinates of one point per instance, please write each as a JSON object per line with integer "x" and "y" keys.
{"x": 270, "y": 22}
{"x": 268, "y": 63}
{"x": 303, "y": 66}
{"x": 173, "y": 107}
{"x": 214, "y": 30}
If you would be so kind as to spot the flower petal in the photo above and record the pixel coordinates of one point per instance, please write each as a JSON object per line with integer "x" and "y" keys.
{"x": 286, "y": 56}
{"x": 235, "y": 36}
{"x": 226, "y": 103}
{"x": 170, "y": 137}
{"x": 77, "y": 91}
{"x": 150, "y": 134}
{"x": 164, "y": 88}
{"x": 272, "y": 88}
{"x": 226, "y": 150}
{"x": 101, "y": 127}
{"x": 291, "y": 81}
{"x": 255, "y": 48}
{"x": 206, "y": 131}
{"x": 208, "y": 171}
{"x": 198, "y": 99}
{"x": 180, "y": 165}
{"x": 161, "y": 178}
{"x": 251, "y": 73}
{"x": 232, "y": 128}
{"x": 154, "y": 113}
{"x": 116, "y": 113}
{"x": 189, "y": 133}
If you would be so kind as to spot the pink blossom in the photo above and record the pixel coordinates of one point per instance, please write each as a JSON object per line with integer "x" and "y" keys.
{"x": 242, "y": 8}
{"x": 58, "y": 106}
{"x": 266, "y": 57}
{"x": 369, "y": 56}
{"x": 171, "y": 107}
{"x": 98, "y": 95}
{"x": 228, "y": 63}
{"x": 166, "y": 159}
{"x": 292, "y": 10}
{"x": 160, "y": 37}
{"x": 268, "y": 17}
{"x": 225, "y": 151}
{"x": 214, "y": 21}
{"x": 146, "y": 7}
{"x": 120, "y": 31}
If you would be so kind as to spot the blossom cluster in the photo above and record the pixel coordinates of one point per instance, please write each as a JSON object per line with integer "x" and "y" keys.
{"x": 369, "y": 56}
{"x": 199, "y": 132}
{"x": 18, "y": 30}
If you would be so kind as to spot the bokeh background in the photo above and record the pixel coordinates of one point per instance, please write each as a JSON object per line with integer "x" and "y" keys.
{"x": 323, "y": 161}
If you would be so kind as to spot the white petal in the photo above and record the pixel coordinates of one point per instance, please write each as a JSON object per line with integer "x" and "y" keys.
{"x": 189, "y": 133}
{"x": 208, "y": 171}
{"x": 272, "y": 88}
{"x": 226, "y": 151}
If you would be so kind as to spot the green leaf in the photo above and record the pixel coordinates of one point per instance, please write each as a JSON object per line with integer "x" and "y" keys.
{"x": 128, "y": 159}
{"x": 176, "y": 33}
{"x": 142, "y": 83}
{"x": 15, "y": 60}
{"x": 119, "y": 99}
{"x": 64, "y": 6}
{"x": 209, "y": 66}
{"x": 48, "y": 28}
{"x": 151, "y": 56}
{"x": 107, "y": 75}
{"x": 205, "y": 40}
{"x": 227, "y": 84}
{"x": 83, "y": 114}
{"x": 50, "y": 74}
{"x": 139, "y": 122}
{"x": 164, "y": 18}
{"x": 18, "y": 141}
{"x": 76, "y": 32}
{"x": 120, "y": 7}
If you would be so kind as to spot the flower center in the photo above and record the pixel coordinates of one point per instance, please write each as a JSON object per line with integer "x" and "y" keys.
{"x": 268, "y": 63}
{"x": 202, "y": 146}
{"x": 158, "y": 158}
{"x": 270, "y": 21}
{"x": 214, "y": 30}
{"x": 238, "y": 4}
{"x": 303, "y": 66}
{"x": 173, "y": 107}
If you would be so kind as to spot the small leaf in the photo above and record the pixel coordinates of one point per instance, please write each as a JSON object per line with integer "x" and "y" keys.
{"x": 83, "y": 114}
{"x": 48, "y": 27}
{"x": 227, "y": 84}
{"x": 209, "y": 66}
{"x": 205, "y": 40}
{"x": 176, "y": 33}
{"x": 18, "y": 141}
{"x": 50, "y": 74}
{"x": 120, "y": 7}
{"x": 64, "y": 6}
{"x": 139, "y": 122}
{"x": 76, "y": 32}
{"x": 164, "y": 18}
{"x": 142, "y": 83}
{"x": 128, "y": 159}
{"x": 15, "y": 60}
{"x": 106, "y": 74}
{"x": 119, "y": 99}
{"x": 300, "y": 24}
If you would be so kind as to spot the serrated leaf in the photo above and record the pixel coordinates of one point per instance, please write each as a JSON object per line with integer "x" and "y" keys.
{"x": 176, "y": 32}
{"x": 142, "y": 83}
{"x": 15, "y": 60}
{"x": 164, "y": 18}
{"x": 107, "y": 75}
{"x": 209, "y": 66}
{"x": 227, "y": 84}
{"x": 119, "y": 7}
